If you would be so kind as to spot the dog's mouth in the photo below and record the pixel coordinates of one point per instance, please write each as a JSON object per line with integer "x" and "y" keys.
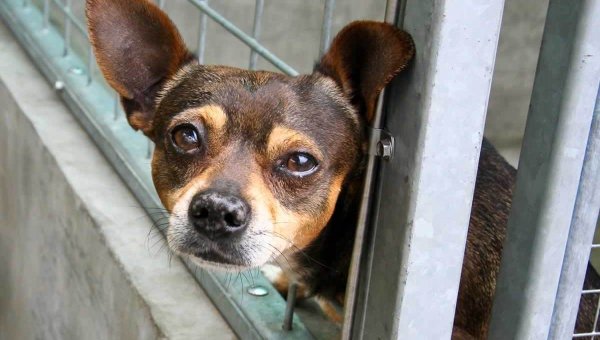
{"x": 213, "y": 254}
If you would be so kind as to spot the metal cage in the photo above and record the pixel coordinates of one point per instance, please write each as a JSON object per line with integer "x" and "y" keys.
{"x": 409, "y": 247}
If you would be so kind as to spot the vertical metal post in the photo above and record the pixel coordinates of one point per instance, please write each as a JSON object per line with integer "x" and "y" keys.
{"x": 409, "y": 279}
{"x": 581, "y": 235}
{"x": 352, "y": 311}
{"x": 556, "y": 134}
{"x": 288, "y": 318}
{"x": 90, "y": 65}
{"x": 326, "y": 26}
{"x": 116, "y": 106}
{"x": 202, "y": 35}
{"x": 46, "y": 13}
{"x": 149, "y": 148}
{"x": 258, "y": 12}
{"x": 243, "y": 37}
{"x": 360, "y": 252}
{"x": 68, "y": 28}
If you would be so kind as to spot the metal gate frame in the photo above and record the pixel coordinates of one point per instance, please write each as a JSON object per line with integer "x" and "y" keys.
{"x": 410, "y": 271}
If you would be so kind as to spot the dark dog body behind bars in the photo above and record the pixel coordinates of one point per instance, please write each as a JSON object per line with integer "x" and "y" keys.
{"x": 258, "y": 167}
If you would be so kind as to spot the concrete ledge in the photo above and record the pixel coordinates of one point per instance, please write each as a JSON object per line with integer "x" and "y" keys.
{"x": 77, "y": 258}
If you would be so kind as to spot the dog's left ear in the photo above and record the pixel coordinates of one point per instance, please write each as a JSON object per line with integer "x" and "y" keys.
{"x": 364, "y": 57}
{"x": 137, "y": 48}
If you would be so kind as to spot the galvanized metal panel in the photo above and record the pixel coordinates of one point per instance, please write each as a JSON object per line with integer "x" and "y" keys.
{"x": 551, "y": 161}
{"x": 436, "y": 112}
{"x": 580, "y": 239}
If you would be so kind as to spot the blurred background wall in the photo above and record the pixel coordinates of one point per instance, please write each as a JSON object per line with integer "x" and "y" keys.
{"x": 518, "y": 49}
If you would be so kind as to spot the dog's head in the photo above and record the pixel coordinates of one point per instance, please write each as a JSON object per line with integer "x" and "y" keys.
{"x": 249, "y": 164}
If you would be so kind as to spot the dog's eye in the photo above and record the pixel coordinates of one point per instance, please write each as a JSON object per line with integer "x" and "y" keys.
{"x": 186, "y": 138}
{"x": 299, "y": 164}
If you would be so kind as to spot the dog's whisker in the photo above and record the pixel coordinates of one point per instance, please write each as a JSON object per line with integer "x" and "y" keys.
{"x": 302, "y": 252}
{"x": 289, "y": 265}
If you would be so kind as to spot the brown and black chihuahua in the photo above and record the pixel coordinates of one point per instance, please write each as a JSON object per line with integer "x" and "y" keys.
{"x": 256, "y": 165}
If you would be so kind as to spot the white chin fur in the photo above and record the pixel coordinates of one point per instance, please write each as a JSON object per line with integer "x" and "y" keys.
{"x": 215, "y": 265}
{"x": 257, "y": 245}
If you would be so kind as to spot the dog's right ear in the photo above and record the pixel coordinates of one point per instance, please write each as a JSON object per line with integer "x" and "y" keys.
{"x": 137, "y": 48}
{"x": 363, "y": 59}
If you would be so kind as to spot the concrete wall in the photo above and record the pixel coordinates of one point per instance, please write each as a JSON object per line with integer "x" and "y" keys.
{"x": 76, "y": 257}
{"x": 516, "y": 61}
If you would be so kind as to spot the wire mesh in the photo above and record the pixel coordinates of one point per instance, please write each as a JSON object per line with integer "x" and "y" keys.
{"x": 592, "y": 292}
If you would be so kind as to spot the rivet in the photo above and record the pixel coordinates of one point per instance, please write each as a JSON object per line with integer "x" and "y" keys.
{"x": 258, "y": 291}
{"x": 59, "y": 85}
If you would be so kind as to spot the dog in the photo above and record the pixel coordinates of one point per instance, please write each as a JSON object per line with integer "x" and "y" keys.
{"x": 256, "y": 166}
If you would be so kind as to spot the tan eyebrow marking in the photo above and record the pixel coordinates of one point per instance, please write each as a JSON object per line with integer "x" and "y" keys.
{"x": 211, "y": 115}
{"x": 214, "y": 116}
{"x": 282, "y": 138}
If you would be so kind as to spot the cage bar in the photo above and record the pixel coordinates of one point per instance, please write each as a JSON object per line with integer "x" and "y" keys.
{"x": 326, "y": 26}
{"x": 245, "y": 38}
{"x": 116, "y": 106}
{"x": 258, "y": 12}
{"x": 67, "y": 23}
{"x": 581, "y": 235}
{"x": 596, "y": 317}
{"x": 202, "y": 35}
{"x": 91, "y": 61}
{"x": 405, "y": 293}
{"x": 585, "y": 335}
{"x": 359, "y": 250}
{"x": 556, "y": 134}
{"x": 69, "y": 15}
{"x": 46, "y": 11}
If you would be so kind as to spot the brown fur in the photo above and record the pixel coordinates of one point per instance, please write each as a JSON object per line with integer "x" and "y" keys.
{"x": 487, "y": 229}
{"x": 249, "y": 122}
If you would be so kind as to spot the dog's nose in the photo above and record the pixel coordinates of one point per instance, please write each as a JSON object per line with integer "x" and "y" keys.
{"x": 216, "y": 214}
